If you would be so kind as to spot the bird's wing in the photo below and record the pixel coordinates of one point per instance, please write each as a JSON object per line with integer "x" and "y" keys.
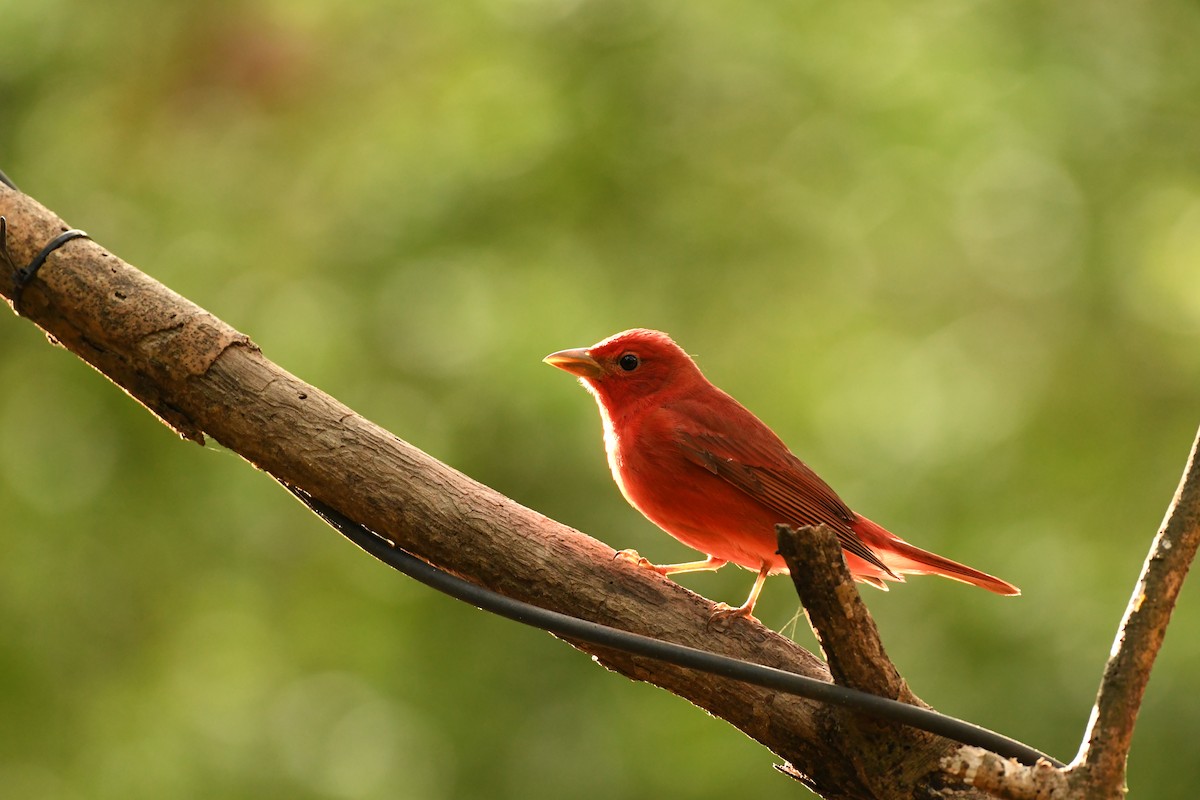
{"x": 778, "y": 480}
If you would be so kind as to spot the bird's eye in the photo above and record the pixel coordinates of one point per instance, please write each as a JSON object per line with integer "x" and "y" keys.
{"x": 629, "y": 362}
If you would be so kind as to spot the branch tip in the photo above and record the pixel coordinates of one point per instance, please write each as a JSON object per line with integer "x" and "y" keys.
{"x": 1105, "y": 749}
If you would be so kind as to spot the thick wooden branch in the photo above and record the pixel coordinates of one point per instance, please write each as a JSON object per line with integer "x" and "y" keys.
{"x": 1100, "y": 765}
{"x": 203, "y": 378}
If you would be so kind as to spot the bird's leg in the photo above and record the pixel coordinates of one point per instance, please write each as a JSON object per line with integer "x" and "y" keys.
{"x": 746, "y": 609}
{"x": 711, "y": 563}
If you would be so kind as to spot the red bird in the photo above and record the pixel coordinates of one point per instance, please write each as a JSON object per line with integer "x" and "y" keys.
{"x": 703, "y": 468}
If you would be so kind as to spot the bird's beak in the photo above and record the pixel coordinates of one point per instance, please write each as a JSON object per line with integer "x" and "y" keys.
{"x": 577, "y": 362}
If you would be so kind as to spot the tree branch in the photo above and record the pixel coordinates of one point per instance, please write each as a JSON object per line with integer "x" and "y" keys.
{"x": 201, "y": 377}
{"x": 844, "y": 627}
{"x": 1100, "y": 765}
{"x": 856, "y": 657}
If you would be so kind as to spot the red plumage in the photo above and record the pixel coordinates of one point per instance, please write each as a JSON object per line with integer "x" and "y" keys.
{"x": 703, "y": 468}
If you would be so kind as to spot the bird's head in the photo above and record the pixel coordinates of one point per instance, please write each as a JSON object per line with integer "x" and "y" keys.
{"x": 628, "y": 367}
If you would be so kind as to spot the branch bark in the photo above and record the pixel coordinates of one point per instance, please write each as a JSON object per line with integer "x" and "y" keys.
{"x": 896, "y": 765}
{"x": 1100, "y": 765}
{"x": 1005, "y": 778}
{"x": 844, "y": 627}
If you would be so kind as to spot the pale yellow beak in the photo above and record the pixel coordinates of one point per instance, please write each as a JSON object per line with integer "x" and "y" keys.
{"x": 577, "y": 362}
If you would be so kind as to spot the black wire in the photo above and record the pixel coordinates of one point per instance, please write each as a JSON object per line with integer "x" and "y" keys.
{"x": 23, "y": 275}
{"x": 7, "y": 181}
{"x": 680, "y": 655}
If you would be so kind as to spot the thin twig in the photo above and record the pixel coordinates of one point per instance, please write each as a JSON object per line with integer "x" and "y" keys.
{"x": 1100, "y": 765}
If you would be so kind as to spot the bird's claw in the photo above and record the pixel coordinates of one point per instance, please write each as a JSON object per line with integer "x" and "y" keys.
{"x": 724, "y": 612}
{"x": 635, "y": 558}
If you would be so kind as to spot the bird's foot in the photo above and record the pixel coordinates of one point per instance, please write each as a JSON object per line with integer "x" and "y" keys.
{"x": 635, "y": 558}
{"x": 724, "y": 612}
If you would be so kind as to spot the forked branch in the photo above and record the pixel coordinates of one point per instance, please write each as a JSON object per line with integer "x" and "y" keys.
{"x": 201, "y": 377}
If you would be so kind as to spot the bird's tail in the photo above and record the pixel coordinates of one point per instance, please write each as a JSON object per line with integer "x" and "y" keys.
{"x": 904, "y": 558}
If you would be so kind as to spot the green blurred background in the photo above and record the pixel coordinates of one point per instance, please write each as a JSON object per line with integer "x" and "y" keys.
{"x": 948, "y": 251}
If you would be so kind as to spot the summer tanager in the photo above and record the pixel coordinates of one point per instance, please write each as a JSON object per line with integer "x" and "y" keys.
{"x": 703, "y": 468}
